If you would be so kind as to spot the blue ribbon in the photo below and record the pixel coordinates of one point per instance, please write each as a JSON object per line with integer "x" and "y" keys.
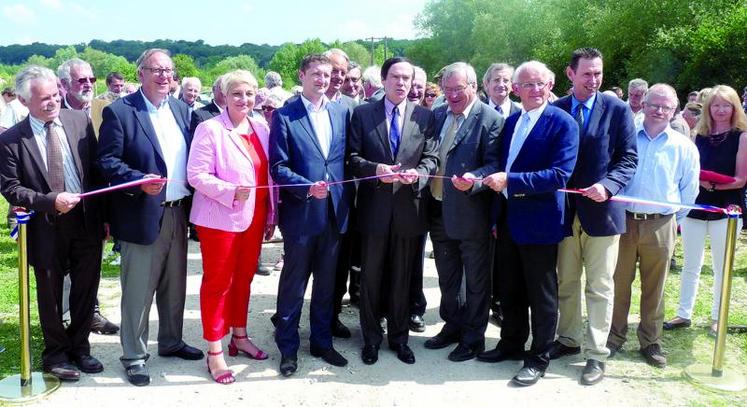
{"x": 22, "y": 218}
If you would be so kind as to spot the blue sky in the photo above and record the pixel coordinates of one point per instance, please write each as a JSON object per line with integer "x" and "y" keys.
{"x": 216, "y": 22}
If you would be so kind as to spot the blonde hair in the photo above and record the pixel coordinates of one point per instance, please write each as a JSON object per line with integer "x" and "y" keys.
{"x": 235, "y": 78}
{"x": 738, "y": 118}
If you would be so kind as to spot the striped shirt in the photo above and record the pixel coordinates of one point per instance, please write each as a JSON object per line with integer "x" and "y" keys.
{"x": 72, "y": 179}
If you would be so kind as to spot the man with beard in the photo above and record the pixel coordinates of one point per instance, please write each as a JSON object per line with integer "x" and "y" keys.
{"x": 77, "y": 79}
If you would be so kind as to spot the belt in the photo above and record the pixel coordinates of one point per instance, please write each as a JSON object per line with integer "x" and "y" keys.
{"x": 644, "y": 216}
{"x": 172, "y": 204}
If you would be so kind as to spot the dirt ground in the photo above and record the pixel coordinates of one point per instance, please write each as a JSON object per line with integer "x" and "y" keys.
{"x": 432, "y": 381}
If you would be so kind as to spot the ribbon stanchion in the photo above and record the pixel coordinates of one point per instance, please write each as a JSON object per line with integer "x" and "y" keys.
{"x": 26, "y": 386}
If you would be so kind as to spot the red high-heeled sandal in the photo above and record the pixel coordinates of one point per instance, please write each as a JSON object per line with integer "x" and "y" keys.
{"x": 224, "y": 378}
{"x": 234, "y": 350}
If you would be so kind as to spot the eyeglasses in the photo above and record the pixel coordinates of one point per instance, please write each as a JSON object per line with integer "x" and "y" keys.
{"x": 664, "y": 109}
{"x": 159, "y": 71}
{"x": 533, "y": 85}
{"x": 431, "y": 95}
{"x": 83, "y": 81}
{"x": 268, "y": 108}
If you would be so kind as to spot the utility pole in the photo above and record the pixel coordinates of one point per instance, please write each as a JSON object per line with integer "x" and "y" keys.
{"x": 373, "y": 50}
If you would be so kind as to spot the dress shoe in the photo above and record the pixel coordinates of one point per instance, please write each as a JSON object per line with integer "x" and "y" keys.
{"x": 441, "y": 340}
{"x": 416, "y": 323}
{"x": 288, "y": 365}
{"x": 382, "y": 325}
{"x": 653, "y": 355}
{"x": 498, "y": 355}
{"x": 528, "y": 376}
{"x": 186, "y": 352}
{"x": 404, "y": 353}
{"x": 263, "y": 270}
{"x": 88, "y": 364}
{"x": 330, "y": 356}
{"x": 593, "y": 373}
{"x": 102, "y": 326}
{"x": 370, "y": 354}
{"x": 465, "y": 352}
{"x": 63, "y": 371}
{"x": 614, "y": 349}
{"x": 496, "y": 317}
{"x": 339, "y": 330}
{"x": 677, "y": 323}
{"x": 138, "y": 375}
{"x": 558, "y": 350}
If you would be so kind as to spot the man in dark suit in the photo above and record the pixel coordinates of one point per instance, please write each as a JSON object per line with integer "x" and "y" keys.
{"x": 606, "y": 162}
{"x": 307, "y": 147}
{"x": 146, "y": 134}
{"x": 392, "y": 138}
{"x": 210, "y": 110}
{"x": 538, "y": 150}
{"x": 46, "y": 161}
{"x": 459, "y": 223}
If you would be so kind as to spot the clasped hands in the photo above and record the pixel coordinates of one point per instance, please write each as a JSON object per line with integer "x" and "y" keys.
{"x": 391, "y": 173}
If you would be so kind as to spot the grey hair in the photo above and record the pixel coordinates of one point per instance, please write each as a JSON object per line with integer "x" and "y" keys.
{"x": 662, "y": 89}
{"x": 273, "y": 79}
{"x": 637, "y": 83}
{"x": 63, "y": 71}
{"x": 218, "y": 82}
{"x": 537, "y": 65}
{"x": 193, "y": 80}
{"x": 463, "y": 67}
{"x": 145, "y": 56}
{"x": 353, "y": 65}
{"x": 420, "y": 71}
{"x": 372, "y": 76}
{"x": 336, "y": 51}
{"x": 29, "y": 74}
{"x": 497, "y": 66}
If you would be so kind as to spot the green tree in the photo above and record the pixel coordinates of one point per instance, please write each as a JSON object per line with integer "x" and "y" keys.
{"x": 184, "y": 65}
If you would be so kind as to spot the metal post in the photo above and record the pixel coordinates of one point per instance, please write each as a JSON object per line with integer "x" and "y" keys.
{"x": 714, "y": 376}
{"x": 26, "y": 386}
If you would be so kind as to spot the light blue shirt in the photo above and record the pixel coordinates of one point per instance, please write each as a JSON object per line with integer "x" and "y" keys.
{"x": 588, "y": 105}
{"x": 524, "y": 126}
{"x": 668, "y": 170}
{"x": 72, "y": 179}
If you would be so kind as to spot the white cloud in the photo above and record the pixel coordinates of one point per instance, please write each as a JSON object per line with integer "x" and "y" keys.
{"x": 247, "y": 7}
{"x": 19, "y": 13}
{"x": 53, "y": 4}
{"x": 83, "y": 12}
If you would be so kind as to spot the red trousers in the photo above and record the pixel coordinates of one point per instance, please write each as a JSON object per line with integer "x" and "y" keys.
{"x": 229, "y": 261}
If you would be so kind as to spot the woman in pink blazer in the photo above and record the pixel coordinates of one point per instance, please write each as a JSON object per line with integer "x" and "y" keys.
{"x": 233, "y": 209}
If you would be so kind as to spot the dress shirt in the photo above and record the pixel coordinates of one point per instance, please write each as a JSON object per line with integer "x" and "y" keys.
{"x": 388, "y": 106}
{"x": 534, "y": 116}
{"x": 505, "y": 106}
{"x": 320, "y": 122}
{"x": 72, "y": 178}
{"x": 588, "y": 104}
{"x": 668, "y": 170}
{"x": 173, "y": 146}
{"x": 13, "y": 113}
{"x": 450, "y": 118}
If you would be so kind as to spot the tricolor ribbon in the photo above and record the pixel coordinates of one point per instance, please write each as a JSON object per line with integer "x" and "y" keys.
{"x": 22, "y": 218}
{"x": 675, "y": 205}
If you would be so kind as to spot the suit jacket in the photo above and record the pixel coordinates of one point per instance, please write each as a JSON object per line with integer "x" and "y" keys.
{"x": 606, "y": 154}
{"x": 218, "y": 162}
{"x": 534, "y": 209}
{"x": 296, "y": 158}
{"x": 200, "y": 115}
{"x": 383, "y": 207}
{"x": 475, "y": 150}
{"x": 23, "y": 177}
{"x": 128, "y": 150}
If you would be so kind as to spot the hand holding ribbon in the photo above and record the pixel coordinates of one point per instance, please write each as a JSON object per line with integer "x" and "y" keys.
{"x": 596, "y": 192}
{"x": 65, "y": 202}
{"x": 153, "y": 187}
{"x": 387, "y": 173}
{"x": 497, "y": 181}
{"x": 319, "y": 190}
{"x": 465, "y": 182}
{"x": 241, "y": 194}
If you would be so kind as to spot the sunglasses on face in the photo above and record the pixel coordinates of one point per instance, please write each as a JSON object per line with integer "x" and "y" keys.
{"x": 83, "y": 81}
{"x": 431, "y": 95}
{"x": 268, "y": 108}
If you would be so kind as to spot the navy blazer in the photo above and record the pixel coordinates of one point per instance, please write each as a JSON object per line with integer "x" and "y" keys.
{"x": 606, "y": 154}
{"x": 296, "y": 158}
{"x": 475, "y": 150}
{"x": 534, "y": 210}
{"x": 128, "y": 150}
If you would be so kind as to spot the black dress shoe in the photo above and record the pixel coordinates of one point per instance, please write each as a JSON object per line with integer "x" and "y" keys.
{"x": 416, "y": 323}
{"x": 558, "y": 350}
{"x": 63, "y": 371}
{"x": 684, "y": 323}
{"x": 102, "y": 326}
{"x": 186, "y": 352}
{"x": 339, "y": 330}
{"x": 330, "y": 356}
{"x": 527, "y": 376}
{"x": 465, "y": 352}
{"x": 653, "y": 355}
{"x": 497, "y": 355}
{"x": 88, "y": 364}
{"x": 288, "y": 365}
{"x": 382, "y": 325}
{"x": 138, "y": 375}
{"x": 370, "y": 354}
{"x": 404, "y": 353}
{"x": 593, "y": 373}
{"x": 496, "y": 317}
{"x": 441, "y": 341}
{"x": 614, "y": 349}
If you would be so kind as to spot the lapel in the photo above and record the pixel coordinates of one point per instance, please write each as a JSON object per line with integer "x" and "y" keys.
{"x": 27, "y": 138}
{"x": 72, "y": 133}
{"x": 595, "y": 115}
{"x": 440, "y": 120}
{"x": 233, "y": 135}
{"x": 407, "y": 127}
{"x": 305, "y": 122}
{"x": 142, "y": 116}
{"x": 333, "y": 110}
{"x": 173, "y": 105}
{"x": 469, "y": 122}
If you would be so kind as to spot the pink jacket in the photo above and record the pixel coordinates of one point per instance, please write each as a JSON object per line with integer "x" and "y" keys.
{"x": 218, "y": 163}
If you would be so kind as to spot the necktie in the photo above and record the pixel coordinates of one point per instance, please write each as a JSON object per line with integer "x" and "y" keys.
{"x": 517, "y": 141}
{"x": 499, "y": 110}
{"x": 448, "y": 140}
{"x": 580, "y": 117}
{"x": 55, "y": 169}
{"x": 394, "y": 132}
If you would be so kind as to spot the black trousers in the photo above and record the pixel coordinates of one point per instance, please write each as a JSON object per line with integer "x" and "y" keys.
{"x": 456, "y": 258}
{"x": 528, "y": 280}
{"x": 386, "y": 270}
{"x": 418, "y": 303}
{"x": 81, "y": 251}
{"x": 349, "y": 257}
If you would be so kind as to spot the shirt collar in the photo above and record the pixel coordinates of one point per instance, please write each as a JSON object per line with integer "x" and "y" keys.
{"x": 664, "y": 133}
{"x": 38, "y": 126}
{"x": 150, "y": 106}
{"x": 467, "y": 109}
{"x": 388, "y": 106}
{"x": 588, "y": 103}
{"x": 310, "y": 106}
{"x": 536, "y": 112}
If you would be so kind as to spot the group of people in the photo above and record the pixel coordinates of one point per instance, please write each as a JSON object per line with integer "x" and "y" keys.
{"x": 357, "y": 182}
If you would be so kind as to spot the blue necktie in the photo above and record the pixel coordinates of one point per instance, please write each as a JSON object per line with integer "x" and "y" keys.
{"x": 580, "y": 117}
{"x": 394, "y": 132}
{"x": 517, "y": 141}
{"x": 499, "y": 110}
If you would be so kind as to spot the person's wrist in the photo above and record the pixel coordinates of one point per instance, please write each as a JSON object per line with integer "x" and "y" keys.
{"x": 713, "y": 187}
